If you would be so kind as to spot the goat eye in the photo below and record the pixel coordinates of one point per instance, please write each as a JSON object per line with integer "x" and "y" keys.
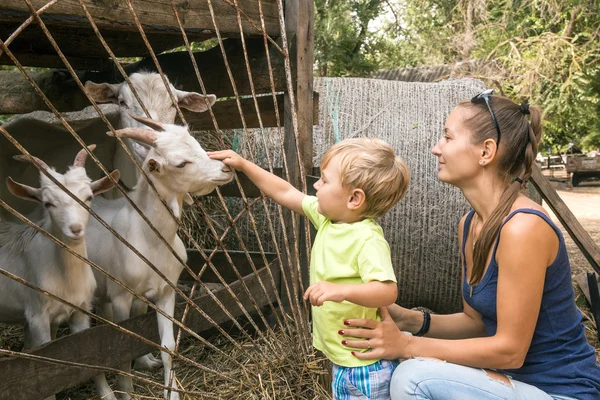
{"x": 48, "y": 205}
{"x": 183, "y": 164}
{"x": 122, "y": 103}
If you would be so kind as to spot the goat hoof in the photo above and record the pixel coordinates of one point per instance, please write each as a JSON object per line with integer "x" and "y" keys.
{"x": 147, "y": 363}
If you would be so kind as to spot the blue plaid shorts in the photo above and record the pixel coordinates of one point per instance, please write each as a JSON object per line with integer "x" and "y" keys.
{"x": 360, "y": 383}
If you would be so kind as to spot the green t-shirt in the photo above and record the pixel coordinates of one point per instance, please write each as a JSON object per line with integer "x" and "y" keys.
{"x": 348, "y": 254}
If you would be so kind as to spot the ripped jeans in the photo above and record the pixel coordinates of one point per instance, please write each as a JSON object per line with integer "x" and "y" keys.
{"x": 429, "y": 379}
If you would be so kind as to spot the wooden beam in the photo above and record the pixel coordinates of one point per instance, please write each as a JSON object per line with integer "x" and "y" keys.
{"x": 582, "y": 239}
{"x": 103, "y": 345}
{"x": 54, "y": 61}
{"x": 298, "y": 141}
{"x": 156, "y": 16}
{"x": 18, "y": 96}
{"x": 33, "y": 46}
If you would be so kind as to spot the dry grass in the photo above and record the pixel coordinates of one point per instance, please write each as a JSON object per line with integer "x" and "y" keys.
{"x": 273, "y": 369}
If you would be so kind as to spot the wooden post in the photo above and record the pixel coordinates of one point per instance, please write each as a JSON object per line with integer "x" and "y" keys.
{"x": 299, "y": 20}
{"x": 582, "y": 239}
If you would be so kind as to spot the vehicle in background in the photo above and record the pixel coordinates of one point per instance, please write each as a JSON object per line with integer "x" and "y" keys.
{"x": 582, "y": 167}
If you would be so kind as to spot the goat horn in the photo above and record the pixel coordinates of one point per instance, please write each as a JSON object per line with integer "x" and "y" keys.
{"x": 146, "y": 136}
{"x": 157, "y": 126}
{"x": 27, "y": 159}
{"x": 82, "y": 156}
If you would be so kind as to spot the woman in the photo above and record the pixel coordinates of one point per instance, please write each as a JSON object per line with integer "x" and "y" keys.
{"x": 520, "y": 334}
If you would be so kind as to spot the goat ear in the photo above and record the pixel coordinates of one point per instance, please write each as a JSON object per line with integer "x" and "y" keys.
{"x": 103, "y": 92}
{"x": 23, "y": 191}
{"x": 188, "y": 199}
{"x": 104, "y": 184}
{"x": 195, "y": 101}
{"x": 154, "y": 166}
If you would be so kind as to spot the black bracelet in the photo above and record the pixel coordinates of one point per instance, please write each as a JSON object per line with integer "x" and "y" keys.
{"x": 425, "y": 327}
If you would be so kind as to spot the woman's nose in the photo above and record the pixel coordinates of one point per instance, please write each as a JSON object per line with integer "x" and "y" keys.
{"x": 436, "y": 149}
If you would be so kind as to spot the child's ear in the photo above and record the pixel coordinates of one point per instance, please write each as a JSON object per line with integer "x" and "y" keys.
{"x": 357, "y": 199}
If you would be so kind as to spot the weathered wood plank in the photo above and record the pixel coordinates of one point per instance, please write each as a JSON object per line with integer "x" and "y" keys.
{"x": 53, "y": 61}
{"x": 582, "y": 239}
{"x": 18, "y": 96}
{"x": 299, "y": 24}
{"x": 155, "y": 15}
{"x": 102, "y": 345}
{"x": 36, "y": 50}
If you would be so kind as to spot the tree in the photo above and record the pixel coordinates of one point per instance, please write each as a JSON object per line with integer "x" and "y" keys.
{"x": 546, "y": 51}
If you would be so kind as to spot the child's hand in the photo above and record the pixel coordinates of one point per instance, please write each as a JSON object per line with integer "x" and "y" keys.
{"x": 323, "y": 291}
{"x": 229, "y": 157}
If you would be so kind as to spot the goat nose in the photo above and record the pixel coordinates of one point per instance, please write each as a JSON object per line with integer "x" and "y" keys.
{"x": 76, "y": 228}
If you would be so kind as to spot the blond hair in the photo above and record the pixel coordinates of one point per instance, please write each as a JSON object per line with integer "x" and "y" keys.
{"x": 372, "y": 166}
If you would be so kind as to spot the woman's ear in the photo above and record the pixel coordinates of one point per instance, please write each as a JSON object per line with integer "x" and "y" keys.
{"x": 488, "y": 152}
{"x": 357, "y": 199}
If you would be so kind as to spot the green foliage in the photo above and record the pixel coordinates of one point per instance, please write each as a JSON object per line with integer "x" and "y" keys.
{"x": 545, "y": 52}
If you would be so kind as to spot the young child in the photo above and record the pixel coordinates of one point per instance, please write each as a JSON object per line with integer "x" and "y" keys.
{"x": 351, "y": 271}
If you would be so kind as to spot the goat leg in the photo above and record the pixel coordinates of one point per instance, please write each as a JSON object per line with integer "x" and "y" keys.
{"x": 146, "y": 362}
{"x": 167, "y": 340}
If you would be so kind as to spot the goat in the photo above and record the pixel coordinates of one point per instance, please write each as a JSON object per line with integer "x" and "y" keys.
{"x": 176, "y": 165}
{"x": 35, "y": 258}
{"x": 152, "y": 92}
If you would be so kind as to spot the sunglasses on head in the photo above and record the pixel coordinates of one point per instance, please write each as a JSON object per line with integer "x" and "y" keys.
{"x": 485, "y": 96}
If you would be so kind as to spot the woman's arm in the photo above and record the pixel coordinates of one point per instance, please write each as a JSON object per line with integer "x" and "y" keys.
{"x": 527, "y": 246}
{"x": 466, "y": 324}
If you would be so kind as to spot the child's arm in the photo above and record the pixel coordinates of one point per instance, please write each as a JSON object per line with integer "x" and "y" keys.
{"x": 372, "y": 294}
{"x": 281, "y": 191}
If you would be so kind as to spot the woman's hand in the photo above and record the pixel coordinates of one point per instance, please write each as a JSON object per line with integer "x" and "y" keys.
{"x": 383, "y": 338}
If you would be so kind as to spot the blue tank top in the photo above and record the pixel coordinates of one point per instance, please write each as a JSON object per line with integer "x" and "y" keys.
{"x": 560, "y": 360}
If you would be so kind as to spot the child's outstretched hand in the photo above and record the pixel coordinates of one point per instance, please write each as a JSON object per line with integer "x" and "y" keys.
{"x": 229, "y": 157}
{"x": 321, "y": 292}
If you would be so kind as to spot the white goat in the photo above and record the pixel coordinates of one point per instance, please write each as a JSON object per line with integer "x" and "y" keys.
{"x": 35, "y": 258}
{"x": 177, "y": 166}
{"x": 152, "y": 92}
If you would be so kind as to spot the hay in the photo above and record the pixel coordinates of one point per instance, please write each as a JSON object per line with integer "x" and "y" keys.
{"x": 277, "y": 370}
